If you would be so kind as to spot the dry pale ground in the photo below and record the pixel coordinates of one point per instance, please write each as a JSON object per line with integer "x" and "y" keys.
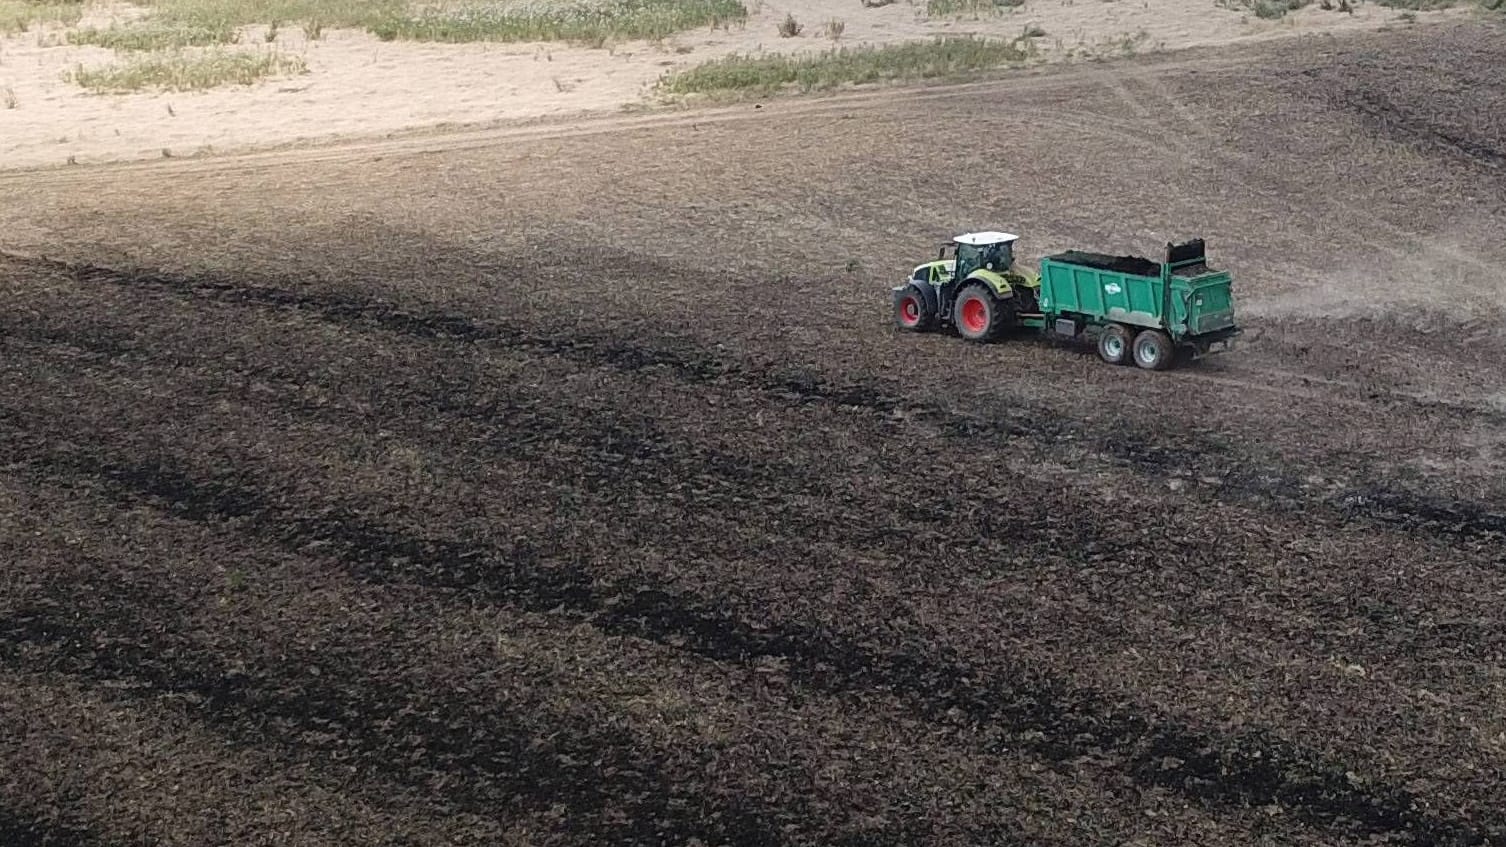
{"x": 358, "y": 86}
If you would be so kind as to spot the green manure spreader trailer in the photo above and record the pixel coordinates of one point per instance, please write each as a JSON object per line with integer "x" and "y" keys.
{"x": 1149, "y": 313}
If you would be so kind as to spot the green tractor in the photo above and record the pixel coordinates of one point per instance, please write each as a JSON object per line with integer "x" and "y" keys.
{"x": 978, "y": 289}
{"x": 1151, "y": 313}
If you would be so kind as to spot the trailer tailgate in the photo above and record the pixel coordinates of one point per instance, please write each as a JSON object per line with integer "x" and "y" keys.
{"x": 1210, "y": 304}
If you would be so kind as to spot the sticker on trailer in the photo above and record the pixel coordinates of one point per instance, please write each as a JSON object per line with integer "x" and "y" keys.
{"x": 1112, "y": 288}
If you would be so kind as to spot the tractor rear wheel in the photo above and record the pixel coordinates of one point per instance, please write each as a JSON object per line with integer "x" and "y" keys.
{"x": 1114, "y": 344}
{"x": 912, "y": 313}
{"x": 979, "y": 315}
{"x": 1154, "y": 350}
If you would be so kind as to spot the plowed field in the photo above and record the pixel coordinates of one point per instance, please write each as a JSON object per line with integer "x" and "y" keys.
{"x": 569, "y": 484}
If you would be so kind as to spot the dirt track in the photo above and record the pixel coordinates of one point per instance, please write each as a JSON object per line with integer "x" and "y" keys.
{"x": 570, "y": 488}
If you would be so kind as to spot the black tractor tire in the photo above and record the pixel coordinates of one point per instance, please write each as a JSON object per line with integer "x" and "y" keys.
{"x": 981, "y": 316}
{"x": 1154, "y": 351}
{"x": 913, "y": 313}
{"x": 1115, "y": 343}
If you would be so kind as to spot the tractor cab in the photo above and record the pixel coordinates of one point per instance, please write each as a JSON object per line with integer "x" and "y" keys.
{"x": 990, "y": 251}
{"x": 961, "y": 257}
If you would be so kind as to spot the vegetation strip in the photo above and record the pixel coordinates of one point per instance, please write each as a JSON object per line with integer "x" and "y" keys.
{"x": 592, "y": 23}
{"x": 938, "y": 59}
{"x": 1044, "y": 717}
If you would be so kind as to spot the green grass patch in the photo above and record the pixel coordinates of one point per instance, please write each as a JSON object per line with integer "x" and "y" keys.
{"x": 185, "y": 71}
{"x": 1417, "y": 5}
{"x": 153, "y": 36}
{"x": 22, "y": 15}
{"x": 942, "y": 58}
{"x": 214, "y": 14}
{"x": 584, "y": 22}
{"x": 1269, "y": 10}
{"x": 958, "y": 8}
{"x": 1275, "y": 9}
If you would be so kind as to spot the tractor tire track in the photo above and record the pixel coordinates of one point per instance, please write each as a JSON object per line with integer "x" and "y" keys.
{"x": 1242, "y": 477}
{"x": 26, "y": 829}
{"x": 616, "y": 454}
{"x": 513, "y": 758}
{"x": 631, "y": 455}
{"x": 1038, "y": 714}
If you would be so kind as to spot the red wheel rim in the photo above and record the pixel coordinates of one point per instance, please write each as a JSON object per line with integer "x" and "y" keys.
{"x": 909, "y": 311}
{"x": 974, "y": 315}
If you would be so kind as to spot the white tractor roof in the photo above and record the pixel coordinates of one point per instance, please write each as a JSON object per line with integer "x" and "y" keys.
{"x": 980, "y": 239}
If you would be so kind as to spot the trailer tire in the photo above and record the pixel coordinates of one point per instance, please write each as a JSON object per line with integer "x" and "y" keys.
{"x": 979, "y": 315}
{"x": 1114, "y": 344}
{"x": 912, "y": 312}
{"x": 1154, "y": 351}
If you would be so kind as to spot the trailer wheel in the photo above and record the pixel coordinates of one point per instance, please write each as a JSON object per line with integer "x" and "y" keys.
{"x": 979, "y": 315}
{"x": 1114, "y": 344}
{"x": 1154, "y": 350}
{"x": 912, "y": 313}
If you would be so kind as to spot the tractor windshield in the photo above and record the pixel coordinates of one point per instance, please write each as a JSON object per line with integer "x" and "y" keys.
{"x": 1001, "y": 256}
{"x": 970, "y": 257}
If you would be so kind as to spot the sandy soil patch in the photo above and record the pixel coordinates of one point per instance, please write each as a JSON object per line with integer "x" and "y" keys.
{"x": 359, "y": 86}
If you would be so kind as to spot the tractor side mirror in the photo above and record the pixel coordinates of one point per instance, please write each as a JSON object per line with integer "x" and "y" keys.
{"x": 941, "y": 252}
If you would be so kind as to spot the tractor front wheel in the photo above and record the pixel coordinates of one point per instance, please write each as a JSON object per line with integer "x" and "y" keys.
{"x": 1153, "y": 350}
{"x": 911, "y": 313}
{"x": 979, "y": 315}
{"x": 1114, "y": 344}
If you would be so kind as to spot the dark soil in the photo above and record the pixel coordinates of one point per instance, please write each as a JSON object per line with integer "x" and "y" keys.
{"x": 344, "y": 499}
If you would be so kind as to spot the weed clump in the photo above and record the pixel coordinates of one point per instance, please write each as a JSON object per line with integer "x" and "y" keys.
{"x": 183, "y": 71}
{"x": 1268, "y": 10}
{"x": 955, "y": 8}
{"x": 152, "y": 36}
{"x": 1417, "y": 5}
